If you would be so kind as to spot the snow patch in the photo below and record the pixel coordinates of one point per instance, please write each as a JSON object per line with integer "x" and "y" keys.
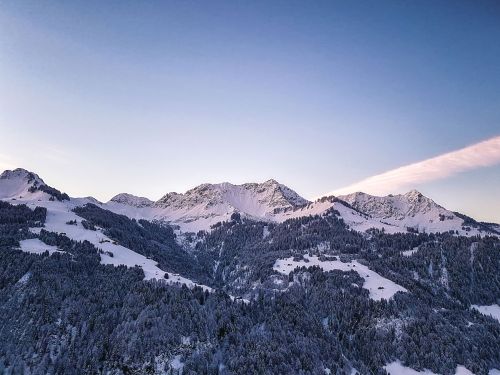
{"x": 35, "y": 246}
{"x": 176, "y": 364}
{"x": 265, "y": 232}
{"x": 378, "y": 286}
{"x": 396, "y": 368}
{"x": 491, "y": 310}
{"x": 409, "y": 253}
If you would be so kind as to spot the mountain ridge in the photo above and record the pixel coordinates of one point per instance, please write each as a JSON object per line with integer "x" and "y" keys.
{"x": 205, "y": 205}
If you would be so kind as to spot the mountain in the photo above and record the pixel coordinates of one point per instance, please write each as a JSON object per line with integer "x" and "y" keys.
{"x": 208, "y": 204}
{"x": 84, "y": 289}
{"x": 411, "y": 210}
{"x": 22, "y": 184}
{"x": 131, "y": 200}
{"x": 17, "y": 183}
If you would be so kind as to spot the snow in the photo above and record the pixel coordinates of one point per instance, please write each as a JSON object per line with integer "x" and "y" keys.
{"x": 491, "y": 310}
{"x": 461, "y": 370}
{"x": 58, "y": 213}
{"x": 378, "y": 286}
{"x": 177, "y": 364}
{"x": 24, "y": 279}
{"x": 396, "y": 368}
{"x": 132, "y": 200}
{"x": 265, "y": 232}
{"x": 494, "y": 371}
{"x": 409, "y": 253}
{"x": 16, "y": 184}
{"x": 35, "y": 246}
{"x": 410, "y": 210}
{"x": 207, "y": 204}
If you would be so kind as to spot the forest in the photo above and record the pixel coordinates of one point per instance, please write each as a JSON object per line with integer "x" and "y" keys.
{"x": 67, "y": 313}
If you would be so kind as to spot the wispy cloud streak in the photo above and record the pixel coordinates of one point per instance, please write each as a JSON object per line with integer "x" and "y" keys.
{"x": 482, "y": 154}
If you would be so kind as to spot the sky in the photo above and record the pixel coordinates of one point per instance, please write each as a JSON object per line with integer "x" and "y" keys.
{"x": 150, "y": 97}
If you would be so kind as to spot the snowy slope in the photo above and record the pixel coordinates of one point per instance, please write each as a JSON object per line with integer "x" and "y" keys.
{"x": 207, "y": 204}
{"x": 131, "y": 200}
{"x": 35, "y": 246}
{"x": 355, "y": 219}
{"x": 378, "y": 286}
{"x": 59, "y": 213}
{"x": 17, "y": 183}
{"x": 410, "y": 210}
{"x": 15, "y": 189}
{"x": 491, "y": 310}
{"x": 397, "y": 368}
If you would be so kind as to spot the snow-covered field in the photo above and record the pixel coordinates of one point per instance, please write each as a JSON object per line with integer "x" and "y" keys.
{"x": 378, "y": 286}
{"x": 396, "y": 368}
{"x": 491, "y": 310}
{"x": 36, "y": 246}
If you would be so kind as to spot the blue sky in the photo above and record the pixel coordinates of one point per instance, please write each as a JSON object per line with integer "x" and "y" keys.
{"x": 149, "y": 97}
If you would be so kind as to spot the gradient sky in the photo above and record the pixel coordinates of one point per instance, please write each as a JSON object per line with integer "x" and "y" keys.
{"x": 150, "y": 97}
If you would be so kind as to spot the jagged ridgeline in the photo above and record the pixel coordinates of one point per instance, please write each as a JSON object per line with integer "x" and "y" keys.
{"x": 295, "y": 288}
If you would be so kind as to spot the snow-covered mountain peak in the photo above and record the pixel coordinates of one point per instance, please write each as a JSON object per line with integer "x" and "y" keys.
{"x": 417, "y": 197}
{"x": 23, "y": 184}
{"x": 18, "y": 183}
{"x": 397, "y": 206}
{"x": 268, "y": 195}
{"x": 132, "y": 200}
{"x": 410, "y": 211}
{"x": 207, "y": 204}
{"x": 413, "y": 193}
{"x": 21, "y": 174}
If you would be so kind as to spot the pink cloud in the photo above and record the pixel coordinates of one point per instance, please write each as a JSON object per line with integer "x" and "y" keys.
{"x": 482, "y": 154}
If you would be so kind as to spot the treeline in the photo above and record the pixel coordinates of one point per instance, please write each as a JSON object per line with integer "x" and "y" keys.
{"x": 150, "y": 239}
{"x": 53, "y": 192}
{"x": 15, "y": 222}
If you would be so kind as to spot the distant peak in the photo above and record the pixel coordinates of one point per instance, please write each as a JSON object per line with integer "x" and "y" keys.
{"x": 132, "y": 200}
{"x": 20, "y": 183}
{"x": 271, "y": 181}
{"x": 414, "y": 192}
{"x": 416, "y": 196}
{"x": 21, "y": 173}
